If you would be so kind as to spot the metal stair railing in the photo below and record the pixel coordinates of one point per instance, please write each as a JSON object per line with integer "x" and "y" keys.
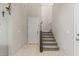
{"x": 41, "y": 45}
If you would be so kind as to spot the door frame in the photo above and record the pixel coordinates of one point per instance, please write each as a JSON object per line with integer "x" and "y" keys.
{"x": 38, "y": 31}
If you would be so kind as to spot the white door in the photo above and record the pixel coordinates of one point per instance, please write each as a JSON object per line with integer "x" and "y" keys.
{"x": 33, "y": 29}
{"x": 76, "y": 29}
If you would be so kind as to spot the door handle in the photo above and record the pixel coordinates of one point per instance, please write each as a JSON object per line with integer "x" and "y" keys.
{"x": 3, "y": 13}
{"x": 77, "y": 34}
{"x": 77, "y": 39}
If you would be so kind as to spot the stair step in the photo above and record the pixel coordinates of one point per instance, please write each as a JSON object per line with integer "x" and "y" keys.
{"x": 49, "y": 44}
{"x": 50, "y": 49}
{"x": 48, "y": 37}
{"x": 50, "y": 40}
{"x": 47, "y": 33}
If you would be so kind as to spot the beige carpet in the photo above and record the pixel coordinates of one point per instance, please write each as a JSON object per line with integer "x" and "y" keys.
{"x": 33, "y": 50}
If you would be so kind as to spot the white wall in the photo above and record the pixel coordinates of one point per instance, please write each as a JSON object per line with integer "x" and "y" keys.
{"x": 17, "y": 27}
{"x": 76, "y": 29}
{"x": 43, "y": 11}
{"x": 46, "y": 15}
{"x": 3, "y": 31}
{"x": 33, "y": 9}
{"x": 63, "y": 27}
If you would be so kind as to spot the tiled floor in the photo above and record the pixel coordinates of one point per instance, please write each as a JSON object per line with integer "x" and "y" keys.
{"x": 33, "y": 50}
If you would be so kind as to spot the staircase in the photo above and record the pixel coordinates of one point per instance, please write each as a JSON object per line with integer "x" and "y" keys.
{"x": 48, "y": 42}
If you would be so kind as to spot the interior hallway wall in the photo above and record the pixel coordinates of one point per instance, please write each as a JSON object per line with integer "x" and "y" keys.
{"x": 17, "y": 27}
{"x": 3, "y": 30}
{"x": 46, "y": 16}
{"x": 63, "y": 27}
{"x": 34, "y": 9}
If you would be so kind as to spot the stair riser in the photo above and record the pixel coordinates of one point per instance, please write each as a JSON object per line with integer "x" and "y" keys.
{"x": 49, "y": 44}
{"x": 48, "y": 37}
{"x": 50, "y": 49}
{"x": 49, "y": 40}
{"x": 46, "y": 34}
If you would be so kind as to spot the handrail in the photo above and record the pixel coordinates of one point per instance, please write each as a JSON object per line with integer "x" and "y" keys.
{"x": 41, "y": 48}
